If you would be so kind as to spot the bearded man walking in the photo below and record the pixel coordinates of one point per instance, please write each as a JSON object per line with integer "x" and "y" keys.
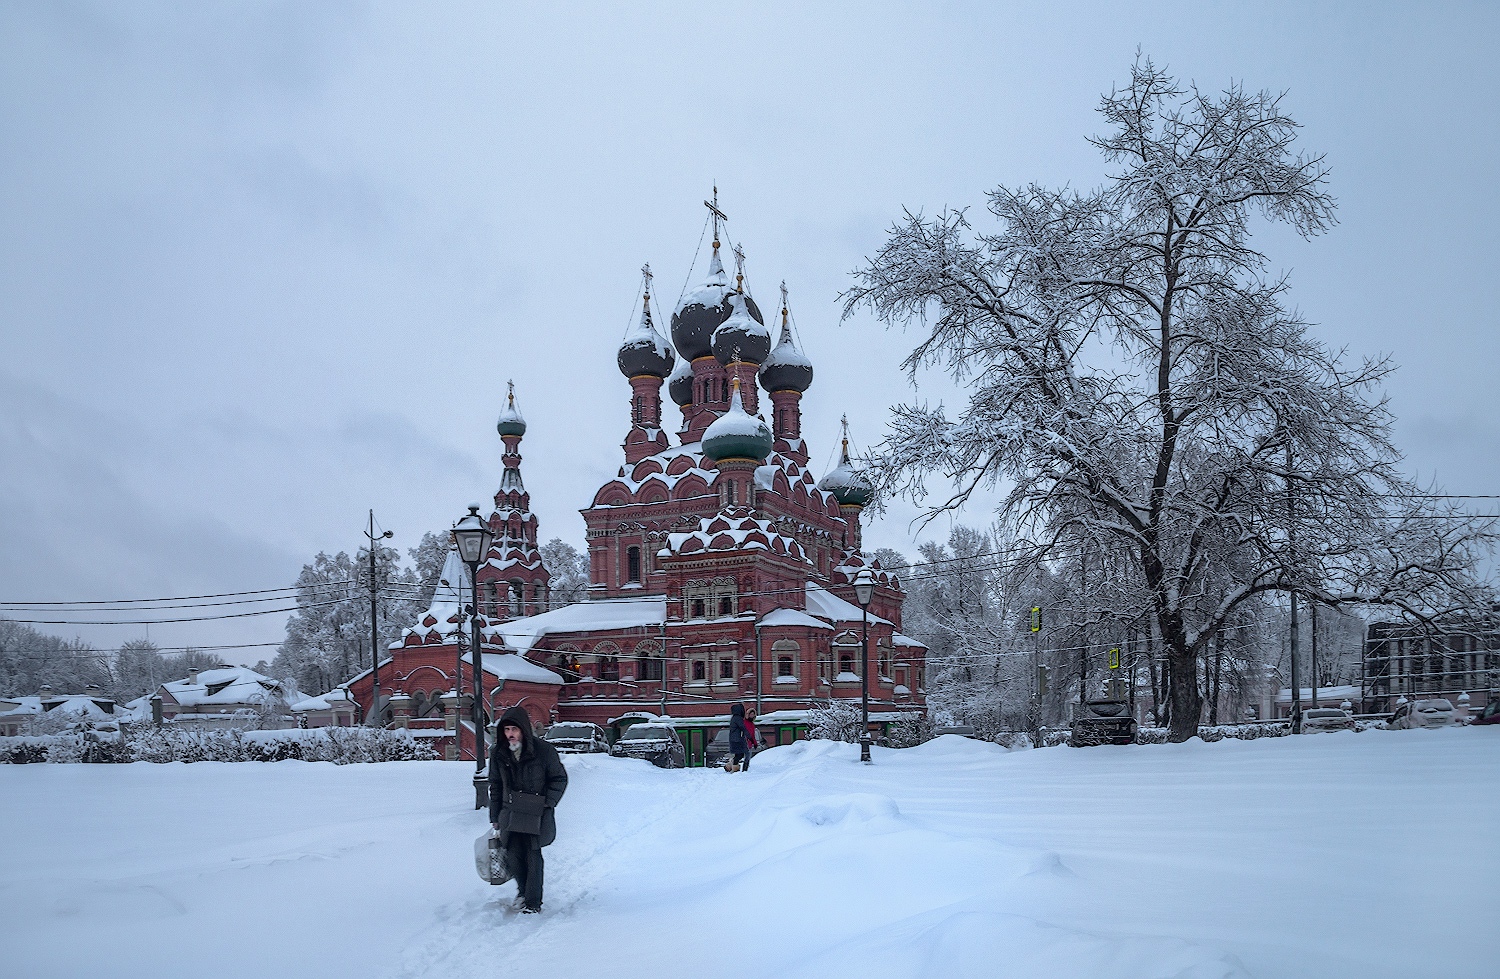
{"x": 527, "y": 780}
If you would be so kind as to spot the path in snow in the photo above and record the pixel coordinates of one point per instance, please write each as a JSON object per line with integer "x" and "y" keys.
{"x": 1336, "y": 855}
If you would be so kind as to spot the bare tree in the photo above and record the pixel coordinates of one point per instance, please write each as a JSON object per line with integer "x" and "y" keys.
{"x": 1135, "y": 375}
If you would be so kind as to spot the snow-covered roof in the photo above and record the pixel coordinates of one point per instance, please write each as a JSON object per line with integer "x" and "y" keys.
{"x": 1347, "y": 691}
{"x": 897, "y": 639}
{"x": 227, "y": 685}
{"x": 732, "y": 529}
{"x": 713, "y": 289}
{"x": 826, "y": 605}
{"x": 853, "y": 562}
{"x": 612, "y": 613}
{"x": 323, "y": 701}
{"x": 794, "y": 617}
{"x": 509, "y": 666}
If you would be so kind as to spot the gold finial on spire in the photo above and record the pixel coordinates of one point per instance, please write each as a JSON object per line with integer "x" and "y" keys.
{"x": 512, "y": 386}
{"x": 783, "y": 302}
{"x": 844, "y": 421}
{"x": 718, "y": 215}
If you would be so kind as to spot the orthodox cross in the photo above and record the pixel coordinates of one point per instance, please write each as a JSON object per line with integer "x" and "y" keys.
{"x": 511, "y": 385}
{"x": 646, "y": 288}
{"x": 739, "y": 268}
{"x": 783, "y": 301}
{"x": 713, "y": 208}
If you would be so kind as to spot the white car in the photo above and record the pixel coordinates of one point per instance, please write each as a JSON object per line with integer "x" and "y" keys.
{"x": 1422, "y": 713}
{"x": 576, "y": 737}
{"x": 1326, "y": 719}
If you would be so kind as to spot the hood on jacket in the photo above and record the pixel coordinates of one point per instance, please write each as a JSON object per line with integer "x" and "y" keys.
{"x": 516, "y": 716}
{"x": 738, "y": 710}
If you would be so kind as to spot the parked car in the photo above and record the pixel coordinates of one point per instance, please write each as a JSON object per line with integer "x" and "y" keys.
{"x": 1326, "y": 719}
{"x": 718, "y": 749}
{"x": 1490, "y": 714}
{"x": 576, "y": 737}
{"x": 1102, "y": 722}
{"x": 656, "y": 743}
{"x": 1422, "y": 713}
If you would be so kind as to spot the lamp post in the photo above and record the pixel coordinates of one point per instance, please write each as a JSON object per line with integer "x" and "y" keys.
{"x": 864, "y": 591}
{"x": 473, "y": 537}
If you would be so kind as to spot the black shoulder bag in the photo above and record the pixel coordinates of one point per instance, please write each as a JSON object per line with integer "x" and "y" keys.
{"x": 525, "y": 810}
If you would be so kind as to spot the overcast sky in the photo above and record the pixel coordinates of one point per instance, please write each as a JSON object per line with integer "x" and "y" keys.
{"x": 266, "y": 266}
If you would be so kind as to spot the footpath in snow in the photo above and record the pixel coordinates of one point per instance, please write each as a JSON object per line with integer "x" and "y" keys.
{"x": 1365, "y": 855}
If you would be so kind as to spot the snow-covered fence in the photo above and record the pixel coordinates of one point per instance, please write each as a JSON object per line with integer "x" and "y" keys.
{"x": 341, "y": 746}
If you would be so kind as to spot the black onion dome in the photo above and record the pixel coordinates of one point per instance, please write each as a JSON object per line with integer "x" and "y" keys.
{"x": 680, "y": 384}
{"x": 741, "y": 336}
{"x": 644, "y": 351}
{"x": 701, "y": 312}
{"x": 787, "y": 369}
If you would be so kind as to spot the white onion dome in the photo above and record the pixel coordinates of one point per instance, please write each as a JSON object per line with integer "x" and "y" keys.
{"x": 645, "y": 351}
{"x": 680, "y": 384}
{"x": 737, "y": 434}
{"x": 787, "y": 368}
{"x": 847, "y": 484}
{"x": 511, "y": 422}
{"x": 741, "y": 336}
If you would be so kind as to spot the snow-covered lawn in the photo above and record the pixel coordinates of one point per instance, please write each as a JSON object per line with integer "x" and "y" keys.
{"x": 1372, "y": 854}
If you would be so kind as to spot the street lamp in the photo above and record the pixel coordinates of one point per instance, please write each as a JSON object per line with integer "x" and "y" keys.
{"x": 473, "y": 537}
{"x": 864, "y": 591}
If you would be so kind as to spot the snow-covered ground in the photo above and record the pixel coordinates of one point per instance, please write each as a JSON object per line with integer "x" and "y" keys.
{"x": 1372, "y": 854}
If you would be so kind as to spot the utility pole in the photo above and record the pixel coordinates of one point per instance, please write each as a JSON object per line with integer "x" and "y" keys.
{"x": 1290, "y": 540}
{"x": 375, "y": 710}
{"x": 1313, "y": 604}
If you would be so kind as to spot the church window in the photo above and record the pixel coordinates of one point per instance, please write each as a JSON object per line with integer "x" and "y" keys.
{"x": 698, "y": 610}
{"x": 726, "y": 668}
{"x": 726, "y": 605}
{"x": 846, "y": 662}
{"x": 783, "y": 666}
{"x": 609, "y": 668}
{"x": 700, "y": 670}
{"x": 633, "y": 564}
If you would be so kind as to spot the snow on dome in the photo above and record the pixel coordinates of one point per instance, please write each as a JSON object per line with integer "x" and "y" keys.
{"x": 787, "y": 368}
{"x": 848, "y": 485}
{"x": 511, "y": 422}
{"x": 740, "y": 337}
{"x": 644, "y": 351}
{"x": 700, "y": 313}
{"x": 680, "y": 384}
{"x": 736, "y": 434}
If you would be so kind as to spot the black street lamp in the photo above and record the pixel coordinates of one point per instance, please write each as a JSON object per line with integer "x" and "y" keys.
{"x": 864, "y": 591}
{"x": 474, "y": 537}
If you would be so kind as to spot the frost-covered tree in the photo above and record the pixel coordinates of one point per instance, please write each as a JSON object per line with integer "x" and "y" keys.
{"x": 139, "y": 669}
{"x": 569, "y": 570}
{"x": 428, "y": 557}
{"x": 30, "y": 658}
{"x": 1138, "y": 381}
{"x": 328, "y": 637}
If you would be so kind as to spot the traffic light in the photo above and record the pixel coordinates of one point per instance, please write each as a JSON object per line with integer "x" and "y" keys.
{"x": 1114, "y": 659}
{"x": 1036, "y": 619}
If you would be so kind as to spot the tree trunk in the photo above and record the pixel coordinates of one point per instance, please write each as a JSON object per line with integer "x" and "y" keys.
{"x": 1183, "y": 699}
{"x": 1213, "y": 703}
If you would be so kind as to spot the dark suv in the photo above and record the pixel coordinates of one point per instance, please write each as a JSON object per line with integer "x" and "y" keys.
{"x": 656, "y": 743}
{"x": 1102, "y": 722}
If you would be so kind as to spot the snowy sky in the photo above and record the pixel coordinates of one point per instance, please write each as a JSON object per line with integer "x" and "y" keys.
{"x": 265, "y": 266}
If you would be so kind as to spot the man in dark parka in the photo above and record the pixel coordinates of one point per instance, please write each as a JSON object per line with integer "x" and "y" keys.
{"x": 522, "y": 762}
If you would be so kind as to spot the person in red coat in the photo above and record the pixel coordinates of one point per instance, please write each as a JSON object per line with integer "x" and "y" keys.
{"x": 752, "y": 740}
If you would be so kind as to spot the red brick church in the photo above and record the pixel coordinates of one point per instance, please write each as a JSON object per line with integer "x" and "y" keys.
{"x": 720, "y": 568}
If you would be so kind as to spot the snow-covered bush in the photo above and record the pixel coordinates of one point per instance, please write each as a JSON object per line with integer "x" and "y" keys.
{"x": 63, "y": 749}
{"x": 834, "y": 720}
{"x": 341, "y": 746}
{"x": 911, "y": 730}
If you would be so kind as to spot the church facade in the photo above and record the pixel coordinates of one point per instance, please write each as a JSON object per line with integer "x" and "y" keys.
{"x": 721, "y": 569}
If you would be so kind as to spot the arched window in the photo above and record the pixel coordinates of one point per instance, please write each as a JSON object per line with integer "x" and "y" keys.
{"x": 649, "y": 664}
{"x": 785, "y": 651}
{"x": 846, "y": 662}
{"x": 633, "y": 564}
{"x": 609, "y": 668}
{"x": 517, "y": 597}
{"x": 783, "y": 666}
